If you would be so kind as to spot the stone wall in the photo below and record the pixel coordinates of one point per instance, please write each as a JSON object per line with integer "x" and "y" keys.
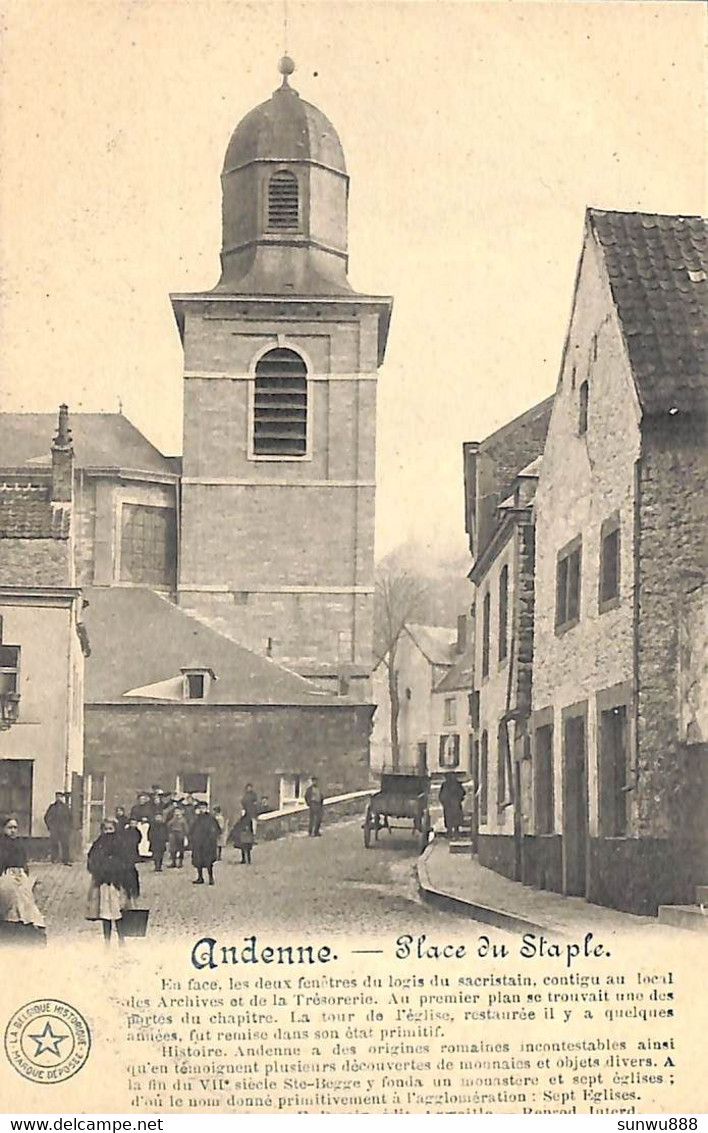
{"x": 279, "y": 823}
{"x": 136, "y": 745}
{"x": 672, "y": 777}
{"x": 281, "y": 548}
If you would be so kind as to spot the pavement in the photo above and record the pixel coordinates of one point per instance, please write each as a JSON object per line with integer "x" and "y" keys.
{"x": 330, "y": 884}
{"x": 458, "y": 883}
{"x": 333, "y": 884}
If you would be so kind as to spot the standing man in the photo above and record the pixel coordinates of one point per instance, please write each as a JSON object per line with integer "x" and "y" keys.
{"x": 203, "y": 838}
{"x": 57, "y": 820}
{"x": 315, "y": 804}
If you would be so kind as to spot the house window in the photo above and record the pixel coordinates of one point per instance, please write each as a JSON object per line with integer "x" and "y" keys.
{"x": 280, "y": 405}
{"x": 486, "y": 616}
{"x": 195, "y": 686}
{"x": 609, "y": 564}
{"x": 292, "y": 790}
{"x": 483, "y": 785}
{"x": 449, "y": 712}
{"x": 422, "y": 756}
{"x": 9, "y": 670}
{"x": 543, "y": 780}
{"x": 148, "y": 549}
{"x": 503, "y": 766}
{"x": 197, "y": 682}
{"x": 283, "y": 201}
{"x": 473, "y": 701}
{"x": 613, "y": 772}
{"x": 503, "y": 612}
{"x": 194, "y": 783}
{"x": 583, "y": 400}
{"x": 568, "y": 586}
{"x": 449, "y": 755}
{"x": 16, "y": 791}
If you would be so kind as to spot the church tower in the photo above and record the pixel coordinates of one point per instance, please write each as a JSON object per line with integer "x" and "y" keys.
{"x": 281, "y": 361}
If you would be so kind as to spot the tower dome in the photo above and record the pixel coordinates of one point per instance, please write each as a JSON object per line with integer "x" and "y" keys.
{"x": 285, "y": 189}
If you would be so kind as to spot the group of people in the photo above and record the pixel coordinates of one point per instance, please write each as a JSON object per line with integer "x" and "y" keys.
{"x": 159, "y": 823}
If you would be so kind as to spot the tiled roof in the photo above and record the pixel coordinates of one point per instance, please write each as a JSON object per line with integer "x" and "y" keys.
{"x": 436, "y": 642}
{"x": 101, "y": 440}
{"x": 658, "y": 271}
{"x": 140, "y": 639}
{"x": 27, "y": 513}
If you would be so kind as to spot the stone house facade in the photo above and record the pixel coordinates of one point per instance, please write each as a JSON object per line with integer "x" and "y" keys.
{"x": 620, "y": 517}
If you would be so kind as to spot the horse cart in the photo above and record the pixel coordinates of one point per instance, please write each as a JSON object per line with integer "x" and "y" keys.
{"x": 402, "y": 796}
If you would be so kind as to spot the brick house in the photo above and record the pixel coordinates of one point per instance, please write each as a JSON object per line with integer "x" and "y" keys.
{"x": 170, "y": 701}
{"x": 42, "y": 642}
{"x": 621, "y": 516}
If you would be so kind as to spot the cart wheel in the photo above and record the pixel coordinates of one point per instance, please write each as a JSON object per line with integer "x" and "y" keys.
{"x": 425, "y": 829}
{"x": 377, "y": 825}
{"x": 367, "y": 827}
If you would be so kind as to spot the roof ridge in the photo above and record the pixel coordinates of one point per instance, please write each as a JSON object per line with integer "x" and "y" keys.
{"x": 594, "y": 210}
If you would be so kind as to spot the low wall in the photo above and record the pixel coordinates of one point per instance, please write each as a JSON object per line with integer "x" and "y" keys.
{"x": 277, "y": 823}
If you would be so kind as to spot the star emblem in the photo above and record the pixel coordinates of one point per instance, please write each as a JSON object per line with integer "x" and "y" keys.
{"x": 48, "y": 1041}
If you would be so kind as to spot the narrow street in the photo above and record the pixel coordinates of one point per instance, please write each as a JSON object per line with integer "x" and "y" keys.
{"x": 331, "y": 884}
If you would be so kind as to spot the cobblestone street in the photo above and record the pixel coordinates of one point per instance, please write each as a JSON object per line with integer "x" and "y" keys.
{"x": 297, "y": 883}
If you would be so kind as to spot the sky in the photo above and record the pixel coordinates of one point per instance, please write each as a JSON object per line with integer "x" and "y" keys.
{"x": 475, "y": 135}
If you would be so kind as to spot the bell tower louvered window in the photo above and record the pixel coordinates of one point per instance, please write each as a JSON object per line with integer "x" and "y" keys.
{"x": 283, "y": 201}
{"x": 280, "y": 405}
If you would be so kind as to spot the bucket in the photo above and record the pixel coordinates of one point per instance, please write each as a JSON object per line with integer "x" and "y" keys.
{"x": 134, "y": 922}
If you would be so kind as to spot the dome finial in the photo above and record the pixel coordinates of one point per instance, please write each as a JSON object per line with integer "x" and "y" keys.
{"x": 286, "y": 67}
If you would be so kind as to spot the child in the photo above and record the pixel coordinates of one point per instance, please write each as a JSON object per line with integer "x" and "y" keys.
{"x": 157, "y": 837}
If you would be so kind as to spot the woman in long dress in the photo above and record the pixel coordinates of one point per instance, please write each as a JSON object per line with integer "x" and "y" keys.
{"x": 114, "y": 880}
{"x": 20, "y": 919}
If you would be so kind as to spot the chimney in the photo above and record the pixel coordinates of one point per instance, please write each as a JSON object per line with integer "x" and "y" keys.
{"x": 461, "y": 644}
{"x": 62, "y": 460}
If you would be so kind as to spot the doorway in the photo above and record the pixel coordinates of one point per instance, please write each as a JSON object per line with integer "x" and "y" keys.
{"x": 575, "y": 802}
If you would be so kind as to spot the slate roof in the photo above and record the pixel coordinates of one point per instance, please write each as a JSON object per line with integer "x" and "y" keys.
{"x": 437, "y": 643}
{"x": 658, "y": 271}
{"x": 101, "y": 440}
{"x": 138, "y": 639}
{"x": 27, "y": 513}
{"x": 460, "y": 675}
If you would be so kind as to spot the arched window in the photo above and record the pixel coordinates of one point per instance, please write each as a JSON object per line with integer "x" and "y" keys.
{"x": 584, "y": 398}
{"x": 283, "y": 201}
{"x": 280, "y": 405}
